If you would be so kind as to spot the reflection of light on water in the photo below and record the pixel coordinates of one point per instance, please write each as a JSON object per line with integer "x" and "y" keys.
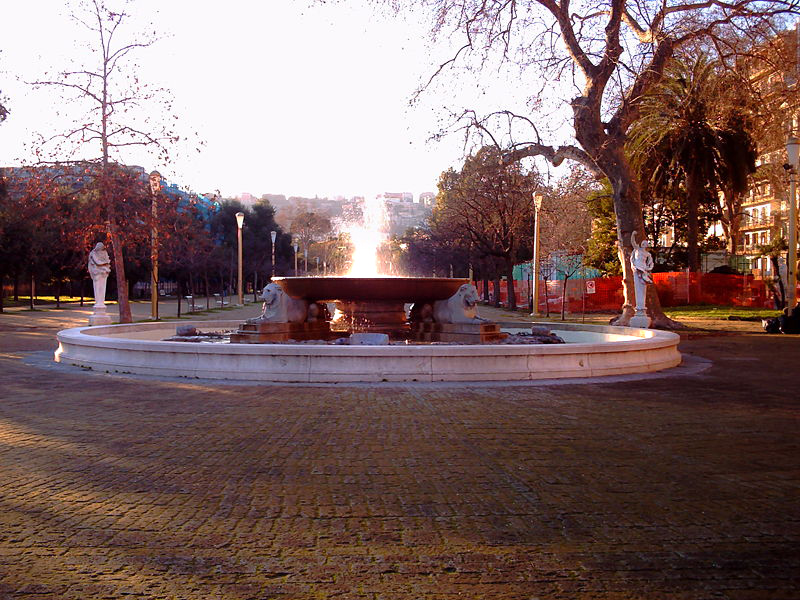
{"x": 367, "y": 238}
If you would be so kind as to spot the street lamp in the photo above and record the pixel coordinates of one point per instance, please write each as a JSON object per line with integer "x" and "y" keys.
{"x": 792, "y": 152}
{"x": 273, "y": 235}
{"x": 155, "y": 188}
{"x": 296, "y": 246}
{"x": 239, "y": 223}
{"x": 537, "y": 205}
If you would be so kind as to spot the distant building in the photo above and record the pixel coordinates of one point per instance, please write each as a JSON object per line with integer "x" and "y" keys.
{"x": 247, "y": 199}
{"x": 406, "y": 197}
{"x": 427, "y": 198}
{"x": 77, "y": 176}
{"x": 406, "y": 214}
{"x": 765, "y": 209}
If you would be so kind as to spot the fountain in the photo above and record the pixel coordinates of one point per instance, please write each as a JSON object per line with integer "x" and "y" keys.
{"x": 295, "y": 340}
{"x": 368, "y": 301}
{"x": 370, "y": 304}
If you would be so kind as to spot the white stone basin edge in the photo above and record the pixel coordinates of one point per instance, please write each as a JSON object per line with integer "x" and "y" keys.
{"x": 597, "y": 350}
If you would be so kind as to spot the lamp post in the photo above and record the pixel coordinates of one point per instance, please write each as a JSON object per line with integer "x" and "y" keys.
{"x": 155, "y": 188}
{"x": 793, "y": 153}
{"x": 296, "y": 246}
{"x": 537, "y": 205}
{"x": 239, "y": 223}
{"x": 273, "y": 235}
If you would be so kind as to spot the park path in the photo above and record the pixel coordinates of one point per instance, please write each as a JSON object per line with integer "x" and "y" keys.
{"x": 658, "y": 488}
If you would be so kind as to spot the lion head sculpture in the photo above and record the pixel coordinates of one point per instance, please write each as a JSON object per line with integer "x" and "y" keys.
{"x": 469, "y": 295}
{"x": 461, "y": 307}
{"x": 279, "y": 307}
{"x": 271, "y": 294}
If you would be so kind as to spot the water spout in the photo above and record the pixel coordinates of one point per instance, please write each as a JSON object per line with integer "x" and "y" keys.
{"x": 367, "y": 238}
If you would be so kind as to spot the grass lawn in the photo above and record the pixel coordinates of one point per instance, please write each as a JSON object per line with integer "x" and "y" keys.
{"x": 710, "y": 311}
{"x": 44, "y": 300}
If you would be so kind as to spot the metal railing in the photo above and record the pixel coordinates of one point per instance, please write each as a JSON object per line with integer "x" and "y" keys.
{"x": 770, "y": 220}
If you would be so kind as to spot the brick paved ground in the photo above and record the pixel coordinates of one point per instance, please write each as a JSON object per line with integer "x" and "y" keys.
{"x": 672, "y": 488}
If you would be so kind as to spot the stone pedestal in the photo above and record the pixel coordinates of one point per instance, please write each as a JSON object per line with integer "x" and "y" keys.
{"x": 260, "y": 333}
{"x": 469, "y": 333}
{"x": 640, "y": 319}
{"x": 380, "y": 317}
{"x": 99, "y": 316}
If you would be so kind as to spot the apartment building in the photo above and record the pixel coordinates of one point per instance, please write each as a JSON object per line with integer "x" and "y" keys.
{"x": 765, "y": 209}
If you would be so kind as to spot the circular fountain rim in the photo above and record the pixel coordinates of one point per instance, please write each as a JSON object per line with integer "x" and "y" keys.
{"x": 97, "y": 349}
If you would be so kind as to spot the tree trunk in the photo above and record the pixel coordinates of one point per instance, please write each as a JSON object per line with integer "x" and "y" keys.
{"x": 546, "y": 299}
{"x": 119, "y": 260}
{"x": 231, "y": 269}
{"x": 781, "y": 300}
{"x": 628, "y": 211}
{"x": 564, "y": 298}
{"x": 694, "y": 192}
{"x": 2, "y": 290}
{"x": 731, "y": 224}
{"x": 205, "y": 276}
{"x": 496, "y": 284}
{"x": 512, "y": 297}
{"x": 119, "y": 273}
{"x": 486, "y": 289}
{"x": 58, "y": 294}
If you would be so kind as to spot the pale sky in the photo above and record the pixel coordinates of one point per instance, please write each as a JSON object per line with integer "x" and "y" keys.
{"x": 288, "y": 98}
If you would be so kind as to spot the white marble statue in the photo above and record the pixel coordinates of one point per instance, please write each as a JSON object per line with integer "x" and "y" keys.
{"x": 642, "y": 264}
{"x": 461, "y": 307}
{"x": 99, "y": 269}
{"x": 279, "y": 307}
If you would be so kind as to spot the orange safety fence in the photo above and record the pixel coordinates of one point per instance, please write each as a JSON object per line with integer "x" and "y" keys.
{"x": 604, "y": 294}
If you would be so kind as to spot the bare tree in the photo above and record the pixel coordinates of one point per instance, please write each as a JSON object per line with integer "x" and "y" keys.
{"x": 488, "y": 206}
{"x": 566, "y": 226}
{"x": 111, "y": 92}
{"x": 309, "y": 227}
{"x": 3, "y": 110}
{"x": 614, "y": 52}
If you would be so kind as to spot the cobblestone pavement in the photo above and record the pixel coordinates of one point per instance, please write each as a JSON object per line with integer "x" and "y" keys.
{"x": 662, "y": 488}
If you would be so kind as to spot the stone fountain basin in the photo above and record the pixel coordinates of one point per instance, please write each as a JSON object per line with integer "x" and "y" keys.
{"x": 370, "y": 289}
{"x": 591, "y": 351}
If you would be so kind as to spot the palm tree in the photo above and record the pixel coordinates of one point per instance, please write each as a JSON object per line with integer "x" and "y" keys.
{"x": 689, "y": 144}
{"x": 737, "y": 161}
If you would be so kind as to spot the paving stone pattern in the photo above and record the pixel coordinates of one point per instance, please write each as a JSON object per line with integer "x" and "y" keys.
{"x": 660, "y": 489}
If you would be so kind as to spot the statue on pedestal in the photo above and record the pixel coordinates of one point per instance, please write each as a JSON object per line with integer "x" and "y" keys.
{"x": 642, "y": 264}
{"x": 99, "y": 269}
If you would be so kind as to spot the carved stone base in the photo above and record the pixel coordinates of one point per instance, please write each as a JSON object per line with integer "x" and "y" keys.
{"x": 470, "y": 333}
{"x": 99, "y": 317}
{"x": 640, "y": 319}
{"x": 260, "y": 333}
{"x": 380, "y": 317}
